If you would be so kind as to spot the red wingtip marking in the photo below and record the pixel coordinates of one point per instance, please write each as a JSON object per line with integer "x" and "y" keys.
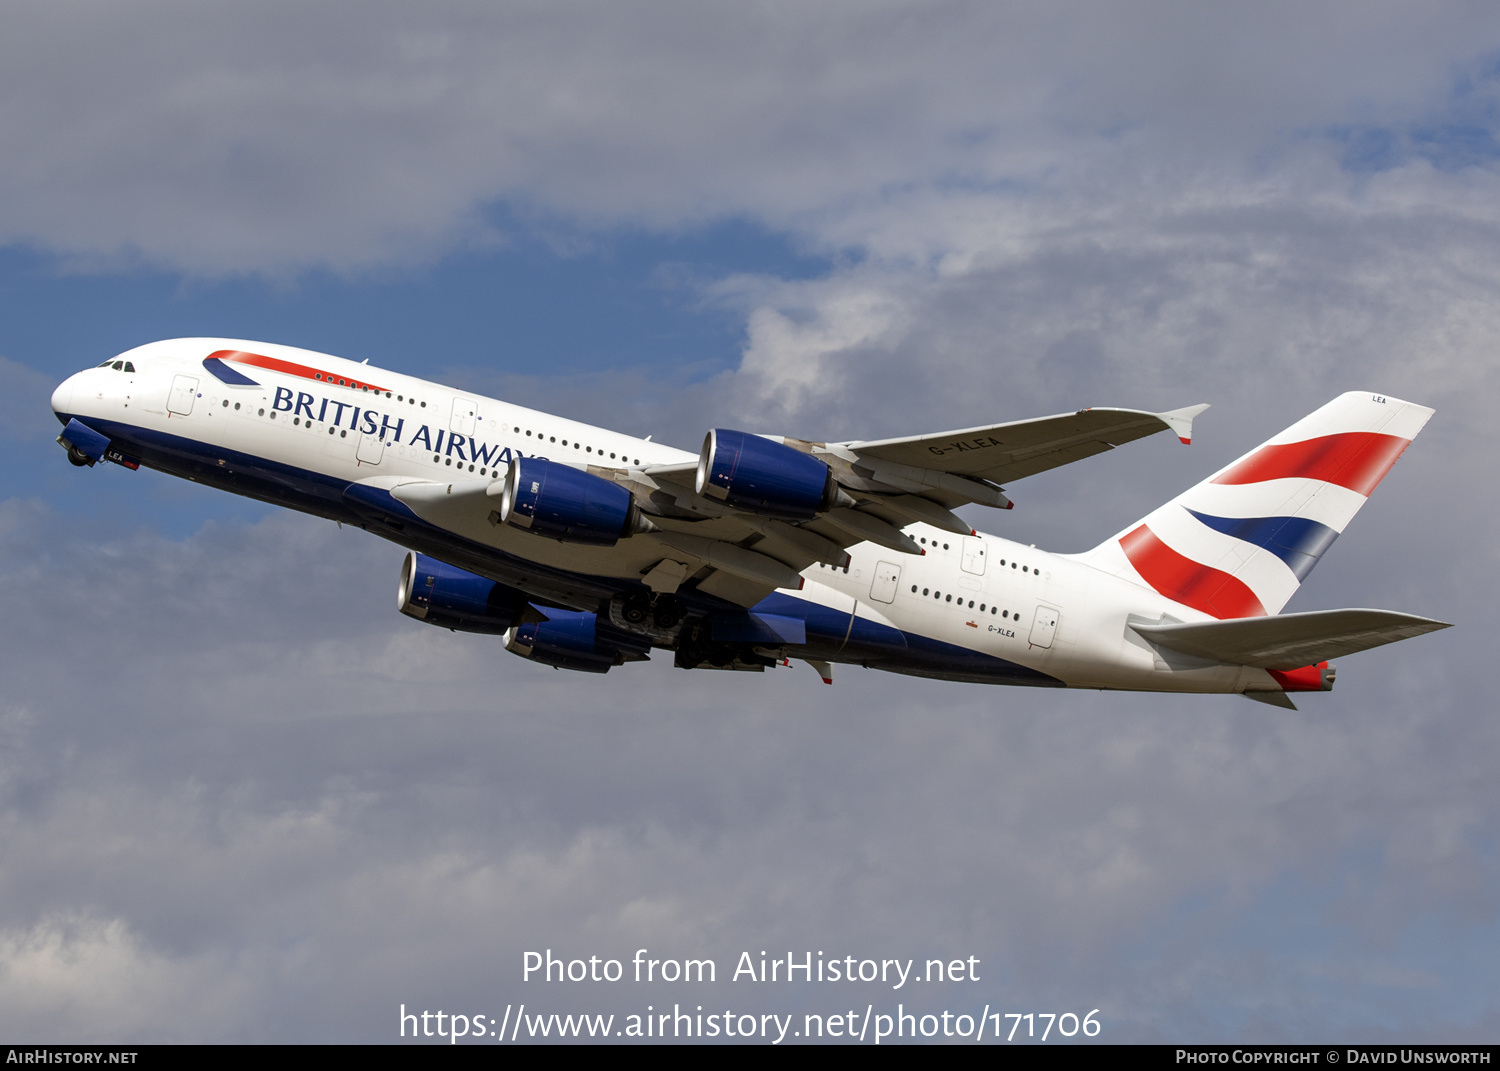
{"x": 1010, "y": 505}
{"x": 973, "y": 531}
{"x": 827, "y": 680}
{"x": 1184, "y": 442}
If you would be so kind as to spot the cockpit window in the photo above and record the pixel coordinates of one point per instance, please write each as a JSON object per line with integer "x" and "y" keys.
{"x": 119, "y": 366}
{"x": 105, "y": 364}
{"x": 129, "y": 367}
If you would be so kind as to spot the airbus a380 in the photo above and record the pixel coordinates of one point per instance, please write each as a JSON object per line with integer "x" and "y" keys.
{"x": 587, "y": 548}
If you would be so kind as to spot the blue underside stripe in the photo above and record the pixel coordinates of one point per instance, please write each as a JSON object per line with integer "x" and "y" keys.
{"x": 1295, "y": 540}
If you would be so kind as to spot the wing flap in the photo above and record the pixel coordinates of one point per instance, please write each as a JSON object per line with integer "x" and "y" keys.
{"x": 1290, "y": 641}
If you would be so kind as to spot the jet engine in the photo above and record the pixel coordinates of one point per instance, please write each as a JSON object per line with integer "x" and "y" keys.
{"x": 444, "y": 595}
{"x": 569, "y": 639}
{"x": 765, "y": 477}
{"x": 568, "y": 504}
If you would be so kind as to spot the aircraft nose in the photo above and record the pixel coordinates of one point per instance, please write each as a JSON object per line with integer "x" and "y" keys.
{"x": 62, "y": 399}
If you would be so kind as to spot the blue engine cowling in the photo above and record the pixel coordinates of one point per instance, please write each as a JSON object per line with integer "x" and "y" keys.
{"x": 569, "y": 639}
{"x": 449, "y": 597}
{"x": 765, "y": 477}
{"x": 567, "y": 504}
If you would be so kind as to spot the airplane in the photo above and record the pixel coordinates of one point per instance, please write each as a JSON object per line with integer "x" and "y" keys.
{"x": 586, "y": 548}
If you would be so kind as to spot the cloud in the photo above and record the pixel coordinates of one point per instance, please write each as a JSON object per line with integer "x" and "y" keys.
{"x": 290, "y": 810}
{"x": 240, "y": 797}
{"x": 73, "y": 976}
{"x": 278, "y": 138}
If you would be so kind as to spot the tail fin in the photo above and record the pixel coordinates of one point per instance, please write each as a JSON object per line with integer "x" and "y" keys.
{"x": 1240, "y": 543}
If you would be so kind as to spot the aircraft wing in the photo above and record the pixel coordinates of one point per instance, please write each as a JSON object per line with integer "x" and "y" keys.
{"x": 1003, "y": 453}
{"x": 885, "y": 485}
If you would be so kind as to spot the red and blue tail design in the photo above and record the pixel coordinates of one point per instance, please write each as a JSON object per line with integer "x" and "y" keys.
{"x": 1241, "y": 542}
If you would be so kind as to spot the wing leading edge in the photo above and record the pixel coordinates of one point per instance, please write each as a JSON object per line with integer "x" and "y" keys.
{"x": 1002, "y": 453}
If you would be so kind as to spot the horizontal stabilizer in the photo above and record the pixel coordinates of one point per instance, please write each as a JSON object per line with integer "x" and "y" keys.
{"x": 1289, "y": 641}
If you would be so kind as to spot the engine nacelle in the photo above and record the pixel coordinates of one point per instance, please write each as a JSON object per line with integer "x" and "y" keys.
{"x": 565, "y": 503}
{"x": 449, "y": 597}
{"x": 569, "y": 639}
{"x": 764, "y": 477}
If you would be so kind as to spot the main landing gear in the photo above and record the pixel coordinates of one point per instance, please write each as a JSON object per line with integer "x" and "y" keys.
{"x": 663, "y": 611}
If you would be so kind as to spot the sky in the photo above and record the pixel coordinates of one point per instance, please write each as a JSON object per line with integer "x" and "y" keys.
{"x": 243, "y": 799}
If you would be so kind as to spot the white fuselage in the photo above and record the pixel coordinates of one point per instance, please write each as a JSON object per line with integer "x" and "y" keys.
{"x": 1050, "y": 613}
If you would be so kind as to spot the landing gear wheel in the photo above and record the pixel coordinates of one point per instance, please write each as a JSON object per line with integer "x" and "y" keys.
{"x": 667, "y": 614}
{"x": 636, "y": 610}
{"x": 78, "y": 457}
